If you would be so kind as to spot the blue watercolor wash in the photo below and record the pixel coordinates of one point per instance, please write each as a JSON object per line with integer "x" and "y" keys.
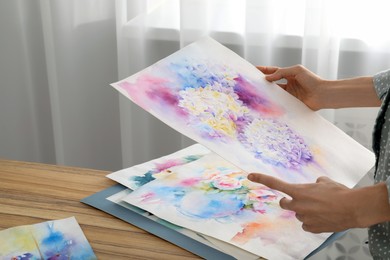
{"x": 53, "y": 238}
{"x": 172, "y": 194}
{"x": 219, "y": 205}
{"x": 191, "y": 158}
{"x": 194, "y": 76}
{"x": 55, "y": 245}
{"x": 142, "y": 180}
{"x": 26, "y": 256}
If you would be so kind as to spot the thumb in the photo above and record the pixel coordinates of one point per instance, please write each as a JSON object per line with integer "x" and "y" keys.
{"x": 284, "y": 73}
{"x": 273, "y": 77}
{"x": 272, "y": 182}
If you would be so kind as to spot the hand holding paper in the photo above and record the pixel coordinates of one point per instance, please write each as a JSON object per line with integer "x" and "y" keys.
{"x": 317, "y": 93}
{"x": 301, "y": 83}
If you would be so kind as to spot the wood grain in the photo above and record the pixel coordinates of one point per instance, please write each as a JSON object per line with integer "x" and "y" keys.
{"x": 32, "y": 192}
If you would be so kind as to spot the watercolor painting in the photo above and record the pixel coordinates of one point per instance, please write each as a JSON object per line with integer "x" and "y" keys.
{"x": 213, "y": 197}
{"x": 52, "y": 240}
{"x": 210, "y": 94}
{"x": 232, "y": 250}
{"x": 138, "y": 175}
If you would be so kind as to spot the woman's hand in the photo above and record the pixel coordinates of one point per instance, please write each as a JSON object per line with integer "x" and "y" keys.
{"x": 300, "y": 82}
{"x": 328, "y": 206}
{"x": 317, "y": 93}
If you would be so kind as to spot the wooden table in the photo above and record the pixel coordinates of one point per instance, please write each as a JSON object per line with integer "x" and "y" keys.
{"x": 31, "y": 193}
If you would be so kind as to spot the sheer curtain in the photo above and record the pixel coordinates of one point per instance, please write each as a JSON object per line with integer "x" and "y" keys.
{"x": 57, "y": 59}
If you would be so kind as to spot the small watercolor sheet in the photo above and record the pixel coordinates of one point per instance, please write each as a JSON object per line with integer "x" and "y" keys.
{"x": 58, "y": 239}
{"x": 210, "y": 94}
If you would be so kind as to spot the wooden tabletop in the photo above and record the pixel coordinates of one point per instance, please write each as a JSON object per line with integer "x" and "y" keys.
{"x": 32, "y": 193}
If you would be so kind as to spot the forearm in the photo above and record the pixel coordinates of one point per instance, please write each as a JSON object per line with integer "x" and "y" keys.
{"x": 371, "y": 205}
{"x": 355, "y": 92}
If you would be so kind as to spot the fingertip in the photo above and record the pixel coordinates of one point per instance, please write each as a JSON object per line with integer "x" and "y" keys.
{"x": 253, "y": 176}
{"x": 268, "y": 78}
{"x": 284, "y": 203}
{"x": 323, "y": 179}
{"x": 272, "y": 77}
{"x": 311, "y": 229}
{"x": 305, "y": 227}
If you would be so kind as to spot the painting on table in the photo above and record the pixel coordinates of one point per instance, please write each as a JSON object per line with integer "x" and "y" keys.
{"x": 230, "y": 249}
{"x": 210, "y": 94}
{"x": 138, "y": 175}
{"x": 51, "y": 240}
{"x": 214, "y": 198}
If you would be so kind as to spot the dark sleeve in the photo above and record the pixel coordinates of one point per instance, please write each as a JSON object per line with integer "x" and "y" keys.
{"x": 382, "y": 83}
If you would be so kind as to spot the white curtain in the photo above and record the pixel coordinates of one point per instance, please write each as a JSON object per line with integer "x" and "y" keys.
{"x": 57, "y": 59}
{"x": 59, "y": 56}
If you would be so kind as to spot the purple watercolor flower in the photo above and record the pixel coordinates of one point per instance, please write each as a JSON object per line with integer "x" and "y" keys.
{"x": 275, "y": 143}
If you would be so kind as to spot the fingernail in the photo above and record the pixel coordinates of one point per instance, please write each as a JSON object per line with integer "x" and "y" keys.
{"x": 250, "y": 176}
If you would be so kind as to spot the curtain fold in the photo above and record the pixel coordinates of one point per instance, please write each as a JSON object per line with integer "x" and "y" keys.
{"x": 57, "y": 60}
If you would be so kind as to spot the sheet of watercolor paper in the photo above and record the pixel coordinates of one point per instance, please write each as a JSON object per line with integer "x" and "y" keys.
{"x": 138, "y": 175}
{"x": 210, "y": 94}
{"x": 237, "y": 253}
{"x": 214, "y": 198}
{"x": 58, "y": 239}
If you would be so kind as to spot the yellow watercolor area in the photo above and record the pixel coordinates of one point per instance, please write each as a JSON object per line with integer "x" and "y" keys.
{"x": 17, "y": 240}
{"x": 223, "y": 125}
{"x": 225, "y": 108}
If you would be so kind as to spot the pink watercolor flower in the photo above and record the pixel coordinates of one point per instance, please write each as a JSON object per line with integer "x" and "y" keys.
{"x": 148, "y": 196}
{"x": 189, "y": 182}
{"x": 226, "y": 183}
{"x": 167, "y": 164}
